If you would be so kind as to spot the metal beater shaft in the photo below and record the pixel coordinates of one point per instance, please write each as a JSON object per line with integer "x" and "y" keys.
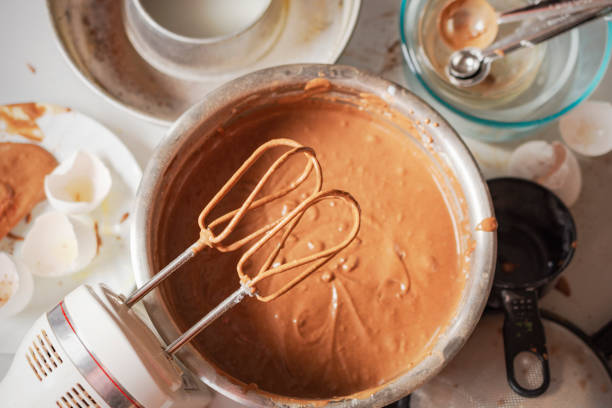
{"x": 168, "y": 270}
{"x": 229, "y": 302}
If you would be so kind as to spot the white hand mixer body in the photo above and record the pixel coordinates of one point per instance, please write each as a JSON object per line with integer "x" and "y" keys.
{"x": 92, "y": 350}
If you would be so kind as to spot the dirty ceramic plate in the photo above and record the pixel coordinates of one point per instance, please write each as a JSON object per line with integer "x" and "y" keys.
{"x": 92, "y": 37}
{"x": 476, "y": 378}
{"x": 63, "y": 132}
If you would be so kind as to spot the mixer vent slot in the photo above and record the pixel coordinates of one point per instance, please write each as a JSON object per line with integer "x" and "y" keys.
{"x": 77, "y": 397}
{"x": 42, "y": 356}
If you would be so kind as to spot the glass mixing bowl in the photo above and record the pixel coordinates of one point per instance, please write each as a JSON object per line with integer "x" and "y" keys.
{"x": 525, "y": 90}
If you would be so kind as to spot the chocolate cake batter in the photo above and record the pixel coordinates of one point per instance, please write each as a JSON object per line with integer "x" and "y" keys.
{"x": 368, "y": 315}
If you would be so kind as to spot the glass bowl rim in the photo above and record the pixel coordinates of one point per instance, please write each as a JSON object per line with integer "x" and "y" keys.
{"x": 505, "y": 124}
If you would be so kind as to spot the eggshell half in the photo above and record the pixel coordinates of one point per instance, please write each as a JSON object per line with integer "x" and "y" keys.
{"x": 588, "y": 128}
{"x": 58, "y": 244}
{"x": 79, "y": 184}
{"x": 552, "y": 165}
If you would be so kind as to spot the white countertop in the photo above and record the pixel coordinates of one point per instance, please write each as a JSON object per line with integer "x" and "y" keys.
{"x": 26, "y": 37}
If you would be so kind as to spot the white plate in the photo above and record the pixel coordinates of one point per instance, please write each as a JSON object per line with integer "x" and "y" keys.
{"x": 64, "y": 132}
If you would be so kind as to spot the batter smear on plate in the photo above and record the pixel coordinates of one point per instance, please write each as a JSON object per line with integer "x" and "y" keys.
{"x": 369, "y": 314}
{"x": 23, "y": 168}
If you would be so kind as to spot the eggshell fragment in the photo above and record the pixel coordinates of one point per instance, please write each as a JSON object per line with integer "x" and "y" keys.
{"x": 79, "y": 184}
{"x": 550, "y": 164}
{"x": 588, "y": 128}
{"x": 58, "y": 244}
{"x": 16, "y": 286}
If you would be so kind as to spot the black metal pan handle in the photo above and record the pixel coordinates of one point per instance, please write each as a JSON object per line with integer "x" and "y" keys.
{"x": 524, "y": 332}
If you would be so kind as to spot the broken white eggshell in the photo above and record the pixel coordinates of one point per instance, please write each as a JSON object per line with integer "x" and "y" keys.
{"x": 552, "y": 165}
{"x": 588, "y": 128}
{"x": 16, "y": 286}
{"x": 79, "y": 184}
{"x": 59, "y": 244}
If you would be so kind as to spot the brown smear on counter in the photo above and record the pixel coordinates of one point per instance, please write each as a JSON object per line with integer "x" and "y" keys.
{"x": 21, "y": 119}
{"x": 488, "y": 224}
{"x": 391, "y": 58}
{"x": 23, "y": 168}
{"x": 368, "y": 315}
{"x": 563, "y": 286}
{"x": 31, "y": 68}
{"x": 124, "y": 217}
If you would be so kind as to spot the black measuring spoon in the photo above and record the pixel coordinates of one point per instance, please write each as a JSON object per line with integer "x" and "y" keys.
{"x": 536, "y": 241}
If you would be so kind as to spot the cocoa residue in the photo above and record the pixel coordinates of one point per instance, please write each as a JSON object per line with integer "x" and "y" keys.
{"x": 14, "y": 236}
{"x": 489, "y": 224}
{"x": 98, "y": 238}
{"x": 563, "y": 286}
{"x": 21, "y": 118}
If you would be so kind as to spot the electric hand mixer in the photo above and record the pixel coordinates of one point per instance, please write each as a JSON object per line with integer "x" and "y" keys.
{"x": 91, "y": 350}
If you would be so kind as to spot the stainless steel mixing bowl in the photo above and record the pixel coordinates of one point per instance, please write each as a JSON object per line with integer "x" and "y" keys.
{"x": 464, "y": 188}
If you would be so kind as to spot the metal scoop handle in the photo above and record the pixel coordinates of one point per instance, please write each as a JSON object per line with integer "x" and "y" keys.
{"x": 470, "y": 66}
{"x": 543, "y": 30}
{"x": 550, "y": 9}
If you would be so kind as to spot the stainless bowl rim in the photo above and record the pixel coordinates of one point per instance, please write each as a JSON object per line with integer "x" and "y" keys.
{"x": 447, "y": 142}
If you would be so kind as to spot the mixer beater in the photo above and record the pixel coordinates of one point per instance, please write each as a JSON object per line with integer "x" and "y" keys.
{"x": 92, "y": 350}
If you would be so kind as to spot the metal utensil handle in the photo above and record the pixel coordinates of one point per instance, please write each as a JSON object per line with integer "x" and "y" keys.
{"x": 523, "y": 332}
{"x": 168, "y": 270}
{"x": 549, "y": 9}
{"x": 540, "y": 32}
{"x": 229, "y": 302}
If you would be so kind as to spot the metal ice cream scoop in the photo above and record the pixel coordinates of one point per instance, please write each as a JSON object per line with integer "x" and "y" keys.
{"x": 470, "y": 66}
